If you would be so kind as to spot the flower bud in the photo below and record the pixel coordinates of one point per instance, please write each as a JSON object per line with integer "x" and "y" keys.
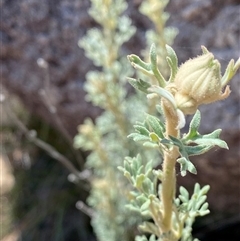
{"x": 198, "y": 81}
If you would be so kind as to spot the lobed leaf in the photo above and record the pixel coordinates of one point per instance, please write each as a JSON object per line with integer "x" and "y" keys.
{"x": 149, "y": 227}
{"x": 186, "y": 165}
{"x": 137, "y": 63}
{"x": 197, "y": 150}
{"x": 139, "y": 84}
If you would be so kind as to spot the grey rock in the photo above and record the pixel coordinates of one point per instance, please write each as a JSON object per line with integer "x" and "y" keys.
{"x": 50, "y": 30}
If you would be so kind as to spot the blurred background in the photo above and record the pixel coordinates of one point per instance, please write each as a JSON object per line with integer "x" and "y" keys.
{"x": 42, "y": 76}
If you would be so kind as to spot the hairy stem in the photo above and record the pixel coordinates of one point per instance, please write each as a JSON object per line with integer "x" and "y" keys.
{"x": 169, "y": 174}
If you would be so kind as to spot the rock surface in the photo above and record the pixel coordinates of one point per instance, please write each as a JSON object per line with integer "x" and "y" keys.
{"x": 50, "y": 30}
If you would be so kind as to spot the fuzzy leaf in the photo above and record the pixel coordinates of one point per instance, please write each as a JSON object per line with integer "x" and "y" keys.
{"x": 211, "y": 139}
{"x": 132, "y": 208}
{"x": 139, "y": 84}
{"x": 145, "y": 205}
{"x": 148, "y": 167}
{"x": 172, "y": 61}
{"x": 230, "y": 71}
{"x": 141, "y": 199}
{"x": 207, "y": 140}
{"x": 181, "y": 146}
{"x": 153, "y": 56}
{"x": 128, "y": 176}
{"x": 163, "y": 93}
{"x": 200, "y": 202}
{"x": 172, "y": 55}
{"x": 158, "y": 173}
{"x": 186, "y": 165}
{"x": 155, "y": 125}
{"x": 139, "y": 180}
{"x": 147, "y": 186}
{"x": 152, "y": 238}
{"x": 197, "y": 150}
{"x": 141, "y": 238}
{"x": 197, "y": 188}
{"x": 166, "y": 142}
{"x": 197, "y": 205}
{"x": 138, "y": 137}
{"x": 193, "y": 127}
{"x": 150, "y": 144}
{"x": 204, "y": 208}
{"x": 135, "y": 169}
{"x": 154, "y": 137}
{"x": 137, "y": 63}
{"x": 127, "y": 167}
{"x": 184, "y": 193}
{"x": 204, "y": 190}
{"x": 154, "y": 66}
{"x": 149, "y": 227}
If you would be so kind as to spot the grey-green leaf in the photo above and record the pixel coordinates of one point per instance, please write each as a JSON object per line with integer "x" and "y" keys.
{"x": 155, "y": 125}
{"x": 138, "y": 137}
{"x": 186, "y": 165}
{"x": 139, "y": 84}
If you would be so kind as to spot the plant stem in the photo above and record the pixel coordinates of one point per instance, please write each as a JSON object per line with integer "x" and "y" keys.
{"x": 31, "y": 136}
{"x": 169, "y": 174}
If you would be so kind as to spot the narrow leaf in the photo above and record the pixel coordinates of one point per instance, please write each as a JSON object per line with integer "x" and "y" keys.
{"x": 139, "y": 84}
{"x": 149, "y": 227}
{"x": 141, "y": 130}
{"x": 172, "y": 61}
{"x": 195, "y": 123}
{"x": 150, "y": 144}
{"x": 184, "y": 192}
{"x": 211, "y": 143}
{"x": 197, "y": 150}
{"x": 163, "y": 93}
{"x": 186, "y": 165}
{"x": 155, "y": 125}
{"x": 139, "y": 180}
{"x": 138, "y": 137}
{"x": 154, "y": 67}
{"x": 137, "y": 63}
{"x": 154, "y": 137}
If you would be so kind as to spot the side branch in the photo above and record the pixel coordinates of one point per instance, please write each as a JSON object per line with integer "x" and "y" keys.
{"x": 31, "y": 136}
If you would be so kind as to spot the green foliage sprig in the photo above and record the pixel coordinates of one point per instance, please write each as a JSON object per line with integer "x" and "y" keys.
{"x": 106, "y": 138}
{"x": 197, "y": 81}
{"x": 106, "y": 89}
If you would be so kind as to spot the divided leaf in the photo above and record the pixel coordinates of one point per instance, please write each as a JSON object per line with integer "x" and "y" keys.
{"x": 139, "y": 84}
{"x": 207, "y": 141}
{"x": 137, "y": 63}
{"x": 196, "y": 205}
{"x": 150, "y": 132}
{"x": 186, "y": 165}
